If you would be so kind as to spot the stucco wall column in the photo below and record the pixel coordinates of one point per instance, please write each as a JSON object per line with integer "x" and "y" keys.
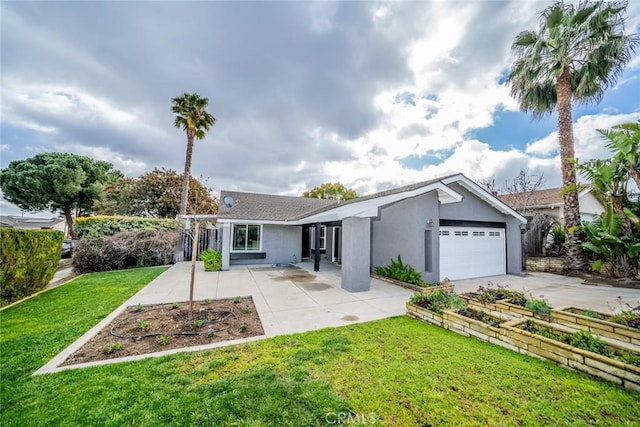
{"x": 226, "y": 245}
{"x": 356, "y": 254}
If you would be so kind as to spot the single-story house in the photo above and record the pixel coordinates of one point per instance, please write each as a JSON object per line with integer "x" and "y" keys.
{"x": 446, "y": 228}
{"x": 32, "y": 223}
{"x": 549, "y": 201}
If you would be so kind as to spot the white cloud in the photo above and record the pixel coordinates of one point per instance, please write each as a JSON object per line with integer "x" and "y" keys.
{"x": 588, "y": 142}
{"x": 127, "y": 166}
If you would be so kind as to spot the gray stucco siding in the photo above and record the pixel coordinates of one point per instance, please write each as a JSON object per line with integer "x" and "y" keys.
{"x": 280, "y": 243}
{"x": 400, "y": 230}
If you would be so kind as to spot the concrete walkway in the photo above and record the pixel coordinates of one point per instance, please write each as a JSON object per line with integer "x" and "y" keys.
{"x": 558, "y": 291}
{"x": 288, "y": 300}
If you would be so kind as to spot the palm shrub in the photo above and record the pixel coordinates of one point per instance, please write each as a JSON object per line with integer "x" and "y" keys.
{"x": 212, "y": 260}
{"x": 605, "y": 238}
{"x": 400, "y": 271}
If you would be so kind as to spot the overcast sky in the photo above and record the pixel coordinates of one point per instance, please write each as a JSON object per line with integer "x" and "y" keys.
{"x": 374, "y": 95}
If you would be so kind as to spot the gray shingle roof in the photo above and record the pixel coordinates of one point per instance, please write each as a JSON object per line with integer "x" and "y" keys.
{"x": 269, "y": 207}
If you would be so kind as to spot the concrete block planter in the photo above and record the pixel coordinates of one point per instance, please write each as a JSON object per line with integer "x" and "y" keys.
{"x": 571, "y": 316}
{"x": 421, "y": 313}
{"x": 443, "y": 286}
{"x": 510, "y": 334}
{"x": 572, "y": 357}
{"x": 503, "y": 306}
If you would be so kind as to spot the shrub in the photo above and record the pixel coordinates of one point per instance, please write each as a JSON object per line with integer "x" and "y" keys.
{"x": 491, "y": 295}
{"x": 103, "y": 226}
{"x": 28, "y": 261}
{"x": 538, "y": 306}
{"x": 125, "y": 250}
{"x": 212, "y": 260}
{"x": 438, "y": 301}
{"x": 400, "y": 271}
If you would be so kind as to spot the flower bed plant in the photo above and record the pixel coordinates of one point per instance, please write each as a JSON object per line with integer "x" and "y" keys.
{"x": 505, "y": 300}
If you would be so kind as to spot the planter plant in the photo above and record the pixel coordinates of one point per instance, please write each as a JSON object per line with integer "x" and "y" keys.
{"x": 509, "y": 301}
{"x": 212, "y": 260}
{"x": 401, "y": 274}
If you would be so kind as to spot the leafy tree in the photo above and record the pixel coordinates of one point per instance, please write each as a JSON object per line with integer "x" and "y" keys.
{"x": 155, "y": 194}
{"x": 576, "y": 54}
{"x": 331, "y": 190}
{"x": 52, "y": 181}
{"x": 193, "y": 118}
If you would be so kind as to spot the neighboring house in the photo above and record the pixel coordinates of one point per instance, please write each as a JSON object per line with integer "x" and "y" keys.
{"x": 445, "y": 228}
{"x": 15, "y": 221}
{"x": 549, "y": 201}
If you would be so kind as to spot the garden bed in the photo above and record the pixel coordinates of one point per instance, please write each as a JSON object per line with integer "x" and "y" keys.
{"x": 145, "y": 329}
{"x": 595, "y": 322}
{"x": 518, "y": 333}
{"x": 502, "y": 328}
{"x": 445, "y": 286}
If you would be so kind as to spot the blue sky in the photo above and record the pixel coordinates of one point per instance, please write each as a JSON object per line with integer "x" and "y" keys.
{"x": 372, "y": 94}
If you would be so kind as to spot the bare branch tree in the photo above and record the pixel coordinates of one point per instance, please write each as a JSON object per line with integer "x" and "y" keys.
{"x": 489, "y": 183}
{"x": 522, "y": 189}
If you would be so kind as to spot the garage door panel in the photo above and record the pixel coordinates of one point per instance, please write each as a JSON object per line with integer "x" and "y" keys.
{"x": 468, "y": 252}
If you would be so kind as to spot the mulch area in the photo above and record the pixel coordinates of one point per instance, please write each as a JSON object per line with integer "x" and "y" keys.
{"x": 153, "y": 328}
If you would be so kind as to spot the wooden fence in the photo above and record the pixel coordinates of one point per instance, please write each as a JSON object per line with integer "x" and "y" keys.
{"x": 208, "y": 238}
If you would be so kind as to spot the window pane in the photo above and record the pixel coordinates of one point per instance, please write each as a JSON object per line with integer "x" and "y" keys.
{"x": 239, "y": 237}
{"x": 253, "y": 239}
{"x": 323, "y": 231}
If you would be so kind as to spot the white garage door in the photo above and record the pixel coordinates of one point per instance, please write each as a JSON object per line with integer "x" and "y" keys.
{"x": 468, "y": 252}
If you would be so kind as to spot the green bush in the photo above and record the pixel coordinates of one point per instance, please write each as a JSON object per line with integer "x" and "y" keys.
{"x": 125, "y": 250}
{"x": 28, "y": 261}
{"x": 212, "y": 260}
{"x": 438, "y": 301}
{"x": 400, "y": 271}
{"x": 102, "y": 226}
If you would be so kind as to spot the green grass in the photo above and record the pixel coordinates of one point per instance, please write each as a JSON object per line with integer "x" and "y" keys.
{"x": 396, "y": 371}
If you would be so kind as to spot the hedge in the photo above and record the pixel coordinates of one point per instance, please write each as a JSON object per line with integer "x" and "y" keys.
{"x": 28, "y": 261}
{"x": 142, "y": 248}
{"x": 100, "y": 226}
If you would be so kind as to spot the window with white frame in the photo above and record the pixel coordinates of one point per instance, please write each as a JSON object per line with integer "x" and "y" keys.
{"x": 246, "y": 237}
{"x": 323, "y": 240}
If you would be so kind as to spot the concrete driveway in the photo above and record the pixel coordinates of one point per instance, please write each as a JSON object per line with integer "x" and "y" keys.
{"x": 558, "y": 291}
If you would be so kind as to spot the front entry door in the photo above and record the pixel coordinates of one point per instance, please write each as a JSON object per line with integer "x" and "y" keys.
{"x": 335, "y": 252}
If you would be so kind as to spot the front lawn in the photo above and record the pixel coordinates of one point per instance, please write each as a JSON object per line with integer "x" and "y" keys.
{"x": 396, "y": 371}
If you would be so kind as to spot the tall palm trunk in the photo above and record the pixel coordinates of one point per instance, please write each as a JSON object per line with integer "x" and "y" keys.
{"x": 187, "y": 172}
{"x": 575, "y": 259}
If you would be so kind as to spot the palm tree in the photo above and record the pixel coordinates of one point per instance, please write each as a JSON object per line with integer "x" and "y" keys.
{"x": 193, "y": 118}
{"x": 577, "y": 53}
